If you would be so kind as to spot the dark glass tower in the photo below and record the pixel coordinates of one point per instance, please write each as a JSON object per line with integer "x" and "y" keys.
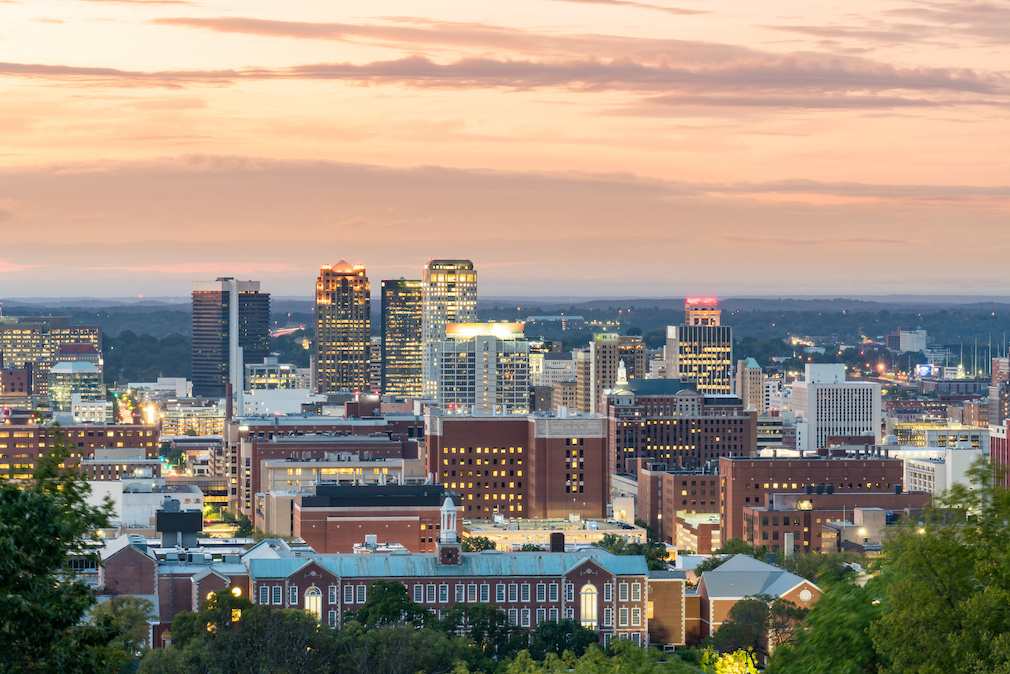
{"x": 216, "y": 356}
{"x": 402, "y": 347}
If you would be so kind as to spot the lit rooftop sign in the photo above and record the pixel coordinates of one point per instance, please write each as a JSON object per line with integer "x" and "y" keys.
{"x": 701, "y": 301}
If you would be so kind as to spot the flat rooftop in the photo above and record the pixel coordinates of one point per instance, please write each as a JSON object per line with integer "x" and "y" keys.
{"x": 548, "y": 525}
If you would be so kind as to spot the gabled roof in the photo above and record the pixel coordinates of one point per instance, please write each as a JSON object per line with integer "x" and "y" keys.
{"x": 207, "y": 571}
{"x": 117, "y": 545}
{"x": 491, "y": 564}
{"x": 743, "y": 576}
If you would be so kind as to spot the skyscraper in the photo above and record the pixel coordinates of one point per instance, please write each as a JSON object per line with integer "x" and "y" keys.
{"x": 483, "y": 368}
{"x": 449, "y": 291}
{"x": 231, "y": 326}
{"x": 343, "y": 323}
{"x": 827, "y": 405}
{"x": 701, "y": 350}
{"x": 401, "y": 337}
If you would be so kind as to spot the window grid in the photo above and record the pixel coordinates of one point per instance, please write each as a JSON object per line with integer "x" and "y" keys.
{"x": 608, "y": 592}
{"x": 524, "y": 592}
{"x": 293, "y": 595}
{"x": 541, "y": 592}
{"x": 485, "y": 593}
{"x": 348, "y": 594}
{"x": 362, "y": 594}
{"x": 622, "y": 593}
{"x": 264, "y": 594}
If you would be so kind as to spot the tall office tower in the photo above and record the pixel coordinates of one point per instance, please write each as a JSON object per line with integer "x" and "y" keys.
{"x": 750, "y": 387}
{"x": 701, "y": 351}
{"x": 402, "y": 348}
{"x": 449, "y": 295}
{"x": 483, "y": 368}
{"x": 606, "y": 352}
{"x": 231, "y": 327}
{"x": 829, "y": 406}
{"x": 343, "y": 325}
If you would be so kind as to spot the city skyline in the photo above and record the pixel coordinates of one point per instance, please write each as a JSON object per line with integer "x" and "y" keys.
{"x": 568, "y": 147}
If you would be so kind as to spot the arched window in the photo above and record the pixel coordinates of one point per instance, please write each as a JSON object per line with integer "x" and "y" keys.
{"x": 314, "y": 602}
{"x": 588, "y": 597}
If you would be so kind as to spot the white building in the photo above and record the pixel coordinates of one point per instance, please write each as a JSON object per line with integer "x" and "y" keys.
{"x": 912, "y": 340}
{"x": 826, "y": 405}
{"x": 176, "y": 387}
{"x": 936, "y": 475}
{"x": 259, "y": 402}
{"x": 483, "y": 368}
{"x": 90, "y": 411}
{"x": 448, "y": 295}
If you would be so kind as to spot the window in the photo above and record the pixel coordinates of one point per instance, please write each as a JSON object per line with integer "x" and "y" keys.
{"x": 264, "y": 594}
{"x": 314, "y": 602}
{"x": 293, "y": 595}
{"x": 636, "y": 639}
{"x": 541, "y": 591}
{"x": 608, "y": 617}
{"x": 485, "y": 592}
{"x": 589, "y": 597}
{"x": 348, "y": 594}
{"x": 460, "y": 592}
{"x": 553, "y": 614}
{"x": 541, "y": 615}
{"x": 570, "y": 613}
{"x": 513, "y": 592}
{"x": 622, "y": 593}
{"x": 443, "y": 594}
{"x": 418, "y": 593}
{"x": 636, "y": 617}
{"x": 607, "y": 638}
{"x": 636, "y": 592}
{"x": 622, "y": 617}
{"x": 500, "y": 593}
{"x": 430, "y": 595}
{"x": 361, "y": 594}
{"x": 333, "y": 618}
{"x": 608, "y": 592}
{"x": 569, "y": 591}
{"x": 513, "y": 616}
{"x": 332, "y": 597}
{"x": 524, "y": 592}
{"x": 525, "y": 613}
{"x": 471, "y": 592}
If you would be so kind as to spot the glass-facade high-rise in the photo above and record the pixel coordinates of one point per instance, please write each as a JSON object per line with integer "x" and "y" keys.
{"x": 402, "y": 304}
{"x": 449, "y": 290}
{"x": 701, "y": 351}
{"x": 215, "y": 353}
{"x": 343, "y": 324}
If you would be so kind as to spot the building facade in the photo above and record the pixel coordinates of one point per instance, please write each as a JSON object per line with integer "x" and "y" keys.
{"x": 343, "y": 324}
{"x": 402, "y": 337}
{"x": 671, "y": 422}
{"x": 483, "y": 368}
{"x": 231, "y": 326}
{"x": 449, "y": 295}
{"x": 536, "y": 466}
{"x": 701, "y": 351}
{"x": 827, "y": 405}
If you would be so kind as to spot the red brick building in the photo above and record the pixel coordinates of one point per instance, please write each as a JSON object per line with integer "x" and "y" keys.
{"x": 745, "y": 482}
{"x": 250, "y": 440}
{"x": 21, "y": 445}
{"x": 537, "y": 466}
{"x": 662, "y": 493}
{"x": 669, "y": 421}
{"x": 339, "y": 516}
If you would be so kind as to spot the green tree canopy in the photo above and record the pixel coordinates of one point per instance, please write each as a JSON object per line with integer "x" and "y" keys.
{"x": 43, "y": 525}
{"x": 477, "y": 543}
{"x": 388, "y": 604}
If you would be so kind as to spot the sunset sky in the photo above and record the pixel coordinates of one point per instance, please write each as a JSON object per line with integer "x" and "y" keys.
{"x": 567, "y": 147}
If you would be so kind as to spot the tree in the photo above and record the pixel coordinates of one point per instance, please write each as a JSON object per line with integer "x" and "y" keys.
{"x": 843, "y": 615}
{"x": 560, "y": 636}
{"x": 245, "y": 526}
{"x": 477, "y": 543}
{"x": 758, "y": 625}
{"x": 132, "y": 615}
{"x": 531, "y": 547}
{"x": 388, "y": 604}
{"x": 43, "y": 525}
{"x": 488, "y": 626}
{"x": 653, "y": 551}
{"x": 735, "y": 662}
{"x": 734, "y": 546}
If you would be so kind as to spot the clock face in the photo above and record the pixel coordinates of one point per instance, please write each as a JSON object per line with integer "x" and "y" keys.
{"x": 805, "y": 595}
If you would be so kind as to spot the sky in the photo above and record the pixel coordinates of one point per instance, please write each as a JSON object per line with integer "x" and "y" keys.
{"x": 567, "y": 147}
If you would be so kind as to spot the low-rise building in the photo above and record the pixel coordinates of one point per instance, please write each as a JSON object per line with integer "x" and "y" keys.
{"x": 576, "y": 533}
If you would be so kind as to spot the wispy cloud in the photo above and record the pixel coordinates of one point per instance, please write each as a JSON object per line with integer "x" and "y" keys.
{"x": 201, "y": 268}
{"x": 677, "y": 11}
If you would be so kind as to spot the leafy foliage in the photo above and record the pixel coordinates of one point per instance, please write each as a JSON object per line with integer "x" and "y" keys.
{"x": 758, "y": 625}
{"x": 388, "y": 604}
{"x": 653, "y": 551}
{"x": 132, "y": 615}
{"x": 477, "y": 543}
{"x": 558, "y": 637}
{"x": 43, "y": 523}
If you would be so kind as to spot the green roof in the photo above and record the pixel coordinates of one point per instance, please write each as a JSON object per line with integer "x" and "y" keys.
{"x": 425, "y": 565}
